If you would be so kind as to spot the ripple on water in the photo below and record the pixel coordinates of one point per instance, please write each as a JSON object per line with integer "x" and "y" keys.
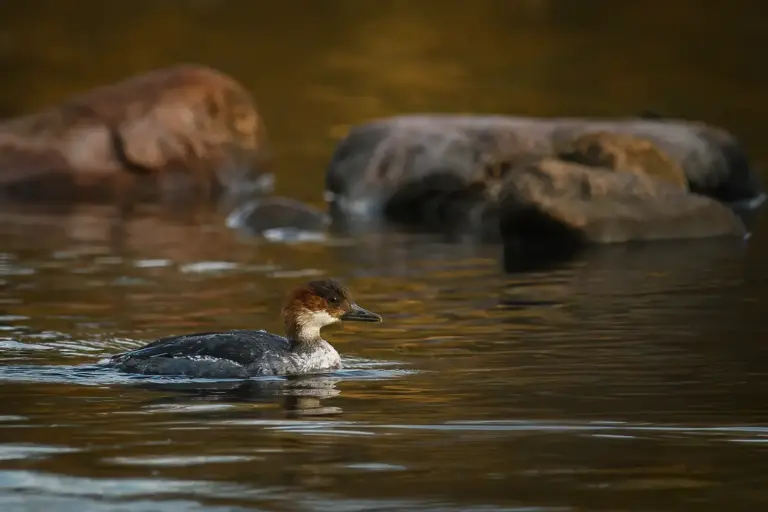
{"x": 320, "y": 385}
{"x": 376, "y": 466}
{"x": 8, "y": 418}
{"x": 294, "y": 235}
{"x": 130, "y": 281}
{"x": 47, "y": 335}
{"x": 218, "y": 267}
{"x": 31, "y": 451}
{"x": 7, "y": 268}
{"x": 108, "y": 488}
{"x": 201, "y": 267}
{"x": 10, "y": 344}
{"x": 65, "y": 344}
{"x": 60, "y": 503}
{"x": 13, "y": 270}
{"x": 373, "y": 374}
{"x": 609, "y": 430}
{"x": 178, "y": 461}
{"x": 86, "y": 375}
{"x": 367, "y": 369}
{"x": 167, "y": 494}
{"x": 157, "y": 263}
{"x": 13, "y": 318}
{"x": 605, "y": 429}
{"x": 290, "y": 274}
{"x": 108, "y": 260}
{"x": 320, "y": 428}
{"x": 188, "y": 408}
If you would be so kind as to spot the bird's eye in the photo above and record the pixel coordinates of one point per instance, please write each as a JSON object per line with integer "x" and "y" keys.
{"x": 334, "y": 300}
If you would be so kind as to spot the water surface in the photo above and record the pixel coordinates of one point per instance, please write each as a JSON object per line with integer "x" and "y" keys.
{"x": 632, "y": 379}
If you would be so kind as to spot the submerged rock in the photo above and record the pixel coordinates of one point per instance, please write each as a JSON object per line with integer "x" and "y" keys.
{"x": 169, "y": 131}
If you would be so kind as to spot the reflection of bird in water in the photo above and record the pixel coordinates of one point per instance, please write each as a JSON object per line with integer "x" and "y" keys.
{"x": 306, "y": 395}
{"x": 302, "y": 394}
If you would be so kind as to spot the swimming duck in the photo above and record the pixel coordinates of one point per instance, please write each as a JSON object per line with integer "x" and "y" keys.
{"x": 248, "y": 353}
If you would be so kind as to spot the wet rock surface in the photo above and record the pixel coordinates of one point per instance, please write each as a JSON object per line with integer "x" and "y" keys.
{"x": 184, "y": 136}
{"x": 624, "y": 153}
{"x": 377, "y": 159}
{"x": 278, "y": 217}
{"x": 565, "y": 181}
{"x": 166, "y": 131}
{"x": 555, "y": 208}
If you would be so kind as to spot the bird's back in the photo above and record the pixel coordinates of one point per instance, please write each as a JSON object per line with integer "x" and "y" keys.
{"x": 204, "y": 355}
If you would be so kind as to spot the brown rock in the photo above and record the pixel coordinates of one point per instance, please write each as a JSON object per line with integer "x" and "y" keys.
{"x": 551, "y": 205}
{"x": 624, "y": 153}
{"x": 188, "y": 120}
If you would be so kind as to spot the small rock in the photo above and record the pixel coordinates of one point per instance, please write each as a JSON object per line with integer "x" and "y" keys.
{"x": 278, "y": 217}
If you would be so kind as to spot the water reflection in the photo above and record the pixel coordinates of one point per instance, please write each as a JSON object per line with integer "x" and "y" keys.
{"x": 301, "y": 395}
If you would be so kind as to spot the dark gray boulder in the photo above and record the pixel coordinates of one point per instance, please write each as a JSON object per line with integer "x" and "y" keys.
{"x": 543, "y": 186}
{"x": 432, "y": 154}
{"x": 279, "y": 218}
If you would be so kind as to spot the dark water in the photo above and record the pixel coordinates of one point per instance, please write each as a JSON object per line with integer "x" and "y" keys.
{"x": 634, "y": 378}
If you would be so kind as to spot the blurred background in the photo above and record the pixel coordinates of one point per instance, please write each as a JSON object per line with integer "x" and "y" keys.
{"x": 314, "y": 68}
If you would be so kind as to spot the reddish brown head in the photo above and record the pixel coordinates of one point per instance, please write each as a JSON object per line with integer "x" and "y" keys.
{"x": 317, "y": 304}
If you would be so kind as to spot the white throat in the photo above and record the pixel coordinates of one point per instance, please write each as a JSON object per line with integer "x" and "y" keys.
{"x": 309, "y": 323}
